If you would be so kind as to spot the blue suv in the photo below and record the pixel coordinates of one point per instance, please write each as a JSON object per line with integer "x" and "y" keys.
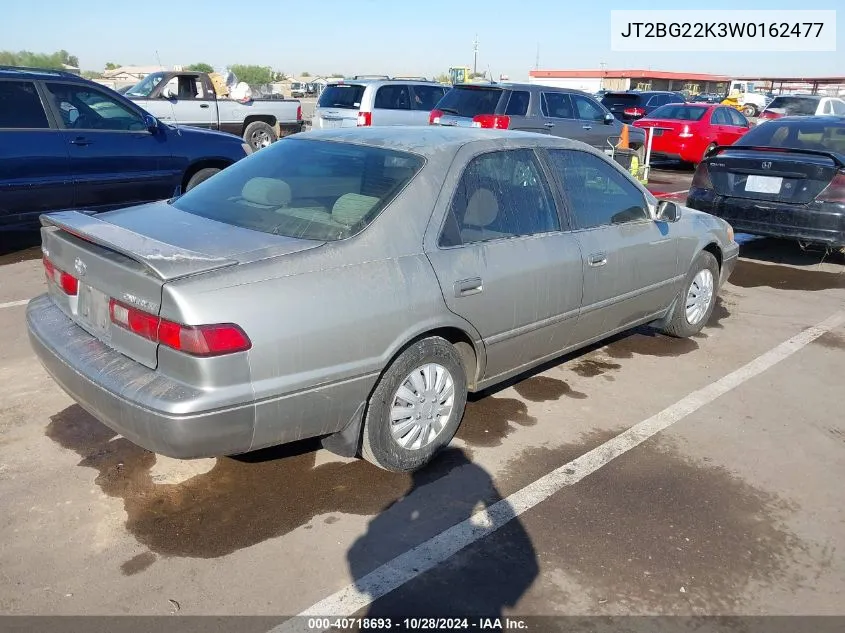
{"x": 66, "y": 142}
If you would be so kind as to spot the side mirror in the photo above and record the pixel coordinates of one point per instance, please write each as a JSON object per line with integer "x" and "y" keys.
{"x": 609, "y": 119}
{"x": 668, "y": 211}
{"x": 151, "y": 123}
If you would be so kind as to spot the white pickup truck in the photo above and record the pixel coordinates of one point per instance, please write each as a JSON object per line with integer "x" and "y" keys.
{"x": 189, "y": 98}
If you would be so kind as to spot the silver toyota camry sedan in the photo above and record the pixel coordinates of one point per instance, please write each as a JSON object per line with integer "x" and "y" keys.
{"x": 355, "y": 284}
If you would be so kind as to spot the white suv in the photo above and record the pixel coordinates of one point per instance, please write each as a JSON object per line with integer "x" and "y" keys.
{"x": 376, "y": 102}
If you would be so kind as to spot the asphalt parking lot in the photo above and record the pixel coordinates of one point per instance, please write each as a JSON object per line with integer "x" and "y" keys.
{"x": 648, "y": 475}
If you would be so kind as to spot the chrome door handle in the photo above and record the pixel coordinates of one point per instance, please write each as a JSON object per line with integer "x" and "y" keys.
{"x": 598, "y": 259}
{"x": 587, "y": 127}
{"x": 467, "y": 287}
{"x": 550, "y": 124}
{"x": 203, "y": 105}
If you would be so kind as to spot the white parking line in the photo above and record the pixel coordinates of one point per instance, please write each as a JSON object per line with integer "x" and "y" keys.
{"x": 13, "y": 304}
{"x": 429, "y": 554}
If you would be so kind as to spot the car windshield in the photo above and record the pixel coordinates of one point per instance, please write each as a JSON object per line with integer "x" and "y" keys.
{"x": 145, "y": 87}
{"x": 469, "y": 102}
{"x": 679, "y": 112}
{"x": 823, "y": 136}
{"x": 800, "y": 106}
{"x": 341, "y": 96}
{"x": 315, "y": 190}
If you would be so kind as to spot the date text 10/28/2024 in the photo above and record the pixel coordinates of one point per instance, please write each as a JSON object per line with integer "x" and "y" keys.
{"x": 416, "y": 624}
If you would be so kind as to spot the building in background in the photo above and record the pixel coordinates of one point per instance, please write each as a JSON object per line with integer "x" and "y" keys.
{"x": 606, "y": 79}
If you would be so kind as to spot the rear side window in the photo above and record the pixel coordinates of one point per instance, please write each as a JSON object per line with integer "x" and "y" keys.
{"x": 393, "y": 97}
{"x": 426, "y": 97}
{"x": 557, "y": 105}
{"x": 501, "y": 194}
{"x": 838, "y": 107}
{"x": 315, "y": 190}
{"x": 598, "y": 194}
{"x": 341, "y": 96}
{"x": 518, "y": 103}
{"x": 737, "y": 119}
{"x": 469, "y": 102}
{"x": 680, "y": 113}
{"x": 797, "y": 106}
{"x": 720, "y": 117}
{"x": 20, "y": 106}
{"x": 825, "y": 136}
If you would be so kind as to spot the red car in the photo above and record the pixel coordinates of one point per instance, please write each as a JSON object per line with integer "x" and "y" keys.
{"x": 686, "y": 131}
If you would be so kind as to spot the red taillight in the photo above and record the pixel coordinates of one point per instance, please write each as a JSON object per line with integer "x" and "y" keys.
{"x": 701, "y": 179}
{"x": 633, "y": 112}
{"x": 491, "y": 121}
{"x": 197, "y": 340}
{"x": 365, "y": 119}
{"x": 835, "y": 191}
{"x": 67, "y": 282}
{"x": 299, "y": 113}
{"x": 768, "y": 114}
{"x": 434, "y": 117}
{"x": 686, "y": 133}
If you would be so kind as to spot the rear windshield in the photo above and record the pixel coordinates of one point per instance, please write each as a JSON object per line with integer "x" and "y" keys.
{"x": 824, "y": 136}
{"x": 314, "y": 190}
{"x": 341, "y": 96}
{"x": 681, "y": 113}
{"x": 794, "y": 105}
{"x": 620, "y": 99}
{"x": 470, "y": 102}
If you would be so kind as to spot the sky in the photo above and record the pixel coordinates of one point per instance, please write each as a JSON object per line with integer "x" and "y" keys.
{"x": 379, "y": 36}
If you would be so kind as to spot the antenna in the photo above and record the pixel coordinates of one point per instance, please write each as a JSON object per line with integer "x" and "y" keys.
{"x": 172, "y": 109}
{"x": 537, "y": 60}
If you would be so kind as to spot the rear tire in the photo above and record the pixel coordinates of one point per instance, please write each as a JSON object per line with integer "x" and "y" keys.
{"x": 260, "y": 134}
{"x": 706, "y": 151}
{"x": 201, "y": 176}
{"x": 750, "y": 110}
{"x": 402, "y": 442}
{"x": 697, "y": 299}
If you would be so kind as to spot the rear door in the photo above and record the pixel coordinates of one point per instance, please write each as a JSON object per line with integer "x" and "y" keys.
{"x": 392, "y": 105}
{"x": 521, "y": 116}
{"x": 738, "y": 125}
{"x": 630, "y": 262}
{"x": 424, "y": 97}
{"x": 35, "y": 168}
{"x": 722, "y": 127}
{"x": 559, "y": 115}
{"x": 116, "y": 160}
{"x": 338, "y": 106}
{"x": 505, "y": 263}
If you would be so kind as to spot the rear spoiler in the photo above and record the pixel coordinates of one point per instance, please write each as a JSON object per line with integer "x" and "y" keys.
{"x": 834, "y": 156}
{"x": 166, "y": 261}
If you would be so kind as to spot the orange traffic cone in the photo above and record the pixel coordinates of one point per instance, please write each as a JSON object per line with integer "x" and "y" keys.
{"x": 623, "y": 141}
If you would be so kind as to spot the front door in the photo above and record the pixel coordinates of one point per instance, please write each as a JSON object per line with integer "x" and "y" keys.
{"x": 630, "y": 261}
{"x": 505, "y": 264}
{"x": 591, "y": 117}
{"x": 116, "y": 161}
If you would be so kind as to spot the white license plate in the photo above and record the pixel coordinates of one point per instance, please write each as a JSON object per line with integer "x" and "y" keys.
{"x": 763, "y": 184}
{"x": 93, "y": 310}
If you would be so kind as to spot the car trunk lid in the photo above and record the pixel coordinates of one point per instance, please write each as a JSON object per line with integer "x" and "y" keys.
{"x": 112, "y": 257}
{"x": 462, "y": 104}
{"x": 772, "y": 174}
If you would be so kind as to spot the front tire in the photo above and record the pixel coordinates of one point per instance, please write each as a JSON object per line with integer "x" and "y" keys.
{"x": 260, "y": 134}
{"x": 750, "y": 110}
{"x": 201, "y": 176}
{"x": 697, "y": 299}
{"x": 416, "y": 407}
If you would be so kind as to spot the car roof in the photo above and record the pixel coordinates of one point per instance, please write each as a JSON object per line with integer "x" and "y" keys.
{"x": 373, "y": 82}
{"x": 19, "y": 72}
{"x": 430, "y": 140}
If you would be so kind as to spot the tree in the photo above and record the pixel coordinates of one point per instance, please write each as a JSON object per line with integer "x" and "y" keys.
{"x": 92, "y": 74}
{"x": 281, "y": 77}
{"x": 338, "y": 75}
{"x": 305, "y": 74}
{"x": 112, "y": 66}
{"x": 443, "y": 78}
{"x": 253, "y": 75}
{"x": 201, "y": 67}
{"x": 55, "y": 60}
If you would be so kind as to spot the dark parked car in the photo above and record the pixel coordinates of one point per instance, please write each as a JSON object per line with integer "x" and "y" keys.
{"x": 632, "y": 105}
{"x": 707, "y": 97}
{"x": 66, "y": 142}
{"x": 532, "y": 108}
{"x": 783, "y": 179}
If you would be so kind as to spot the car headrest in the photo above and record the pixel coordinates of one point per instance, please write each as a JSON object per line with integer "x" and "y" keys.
{"x": 351, "y": 208}
{"x": 268, "y": 192}
{"x": 482, "y": 209}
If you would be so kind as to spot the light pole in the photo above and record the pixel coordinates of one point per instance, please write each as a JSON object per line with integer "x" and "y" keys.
{"x": 475, "y": 56}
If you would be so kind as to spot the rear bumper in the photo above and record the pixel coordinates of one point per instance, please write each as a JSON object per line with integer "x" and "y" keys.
{"x": 100, "y": 379}
{"x": 822, "y": 223}
{"x": 730, "y": 255}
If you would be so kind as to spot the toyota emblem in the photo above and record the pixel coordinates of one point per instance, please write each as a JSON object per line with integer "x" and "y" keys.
{"x": 80, "y": 267}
